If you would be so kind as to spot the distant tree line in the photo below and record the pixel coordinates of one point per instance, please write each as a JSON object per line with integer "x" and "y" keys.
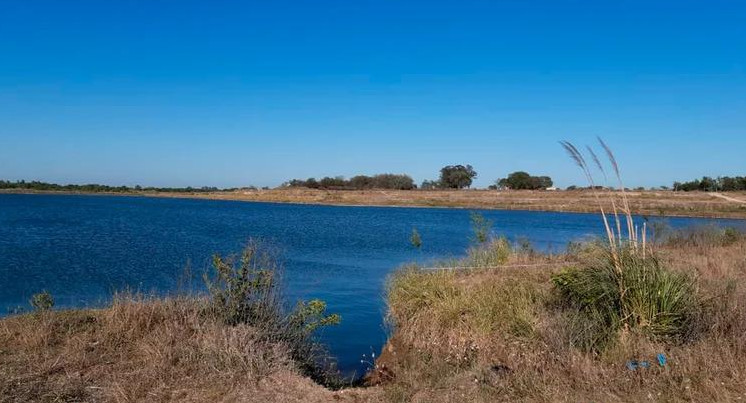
{"x": 708, "y": 184}
{"x": 520, "y": 180}
{"x": 451, "y": 177}
{"x": 96, "y": 188}
{"x": 358, "y": 182}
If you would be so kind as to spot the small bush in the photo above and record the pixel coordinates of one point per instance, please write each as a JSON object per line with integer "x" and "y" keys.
{"x": 644, "y": 296}
{"x": 246, "y": 291}
{"x": 42, "y": 301}
{"x": 480, "y": 227}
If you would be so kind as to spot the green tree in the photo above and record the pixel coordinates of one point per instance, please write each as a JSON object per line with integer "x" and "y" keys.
{"x": 457, "y": 176}
{"x": 523, "y": 180}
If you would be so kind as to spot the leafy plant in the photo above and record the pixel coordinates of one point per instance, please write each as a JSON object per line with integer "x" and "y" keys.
{"x": 480, "y": 227}
{"x": 310, "y": 316}
{"x": 246, "y": 290}
{"x": 42, "y": 301}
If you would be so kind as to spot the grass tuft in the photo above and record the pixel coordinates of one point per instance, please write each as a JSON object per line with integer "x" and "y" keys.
{"x": 645, "y": 297}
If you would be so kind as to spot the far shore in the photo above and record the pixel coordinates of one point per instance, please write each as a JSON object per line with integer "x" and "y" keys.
{"x": 648, "y": 202}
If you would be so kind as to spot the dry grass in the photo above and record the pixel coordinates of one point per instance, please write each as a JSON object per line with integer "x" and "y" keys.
{"x": 644, "y": 202}
{"x": 497, "y": 335}
{"x": 488, "y": 334}
{"x": 146, "y": 350}
{"x": 695, "y": 204}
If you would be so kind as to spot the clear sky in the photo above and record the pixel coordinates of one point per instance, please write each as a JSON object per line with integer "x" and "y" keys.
{"x": 224, "y": 93}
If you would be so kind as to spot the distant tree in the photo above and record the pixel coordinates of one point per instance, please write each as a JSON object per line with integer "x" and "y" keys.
{"x": 457, "y": 176}
{"x": 523, "y": 180}
{"x": 362, "y": 182}
{"x": 428, "y": 185}
{"x": 708, "y": 184}
{"x": 312, "y": 183}
{"x": 332, "y": 183}
{"x": 543, "y": 182}
{"x": 393, "y": 181}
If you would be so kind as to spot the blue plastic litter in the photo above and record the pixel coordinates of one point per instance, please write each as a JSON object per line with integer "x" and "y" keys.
{"x": 633, "y": 365}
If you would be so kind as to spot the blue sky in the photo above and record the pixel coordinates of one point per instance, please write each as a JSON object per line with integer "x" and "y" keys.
{"x": 222, "y": 93}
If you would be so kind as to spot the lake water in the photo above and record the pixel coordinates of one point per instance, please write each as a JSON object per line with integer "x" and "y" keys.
{"x": 83, "y": 248}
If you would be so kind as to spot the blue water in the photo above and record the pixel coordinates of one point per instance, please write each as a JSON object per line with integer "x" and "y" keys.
{"x": 83, "y": 248}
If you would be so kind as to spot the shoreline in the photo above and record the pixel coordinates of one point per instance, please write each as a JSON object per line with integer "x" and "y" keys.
{"x": 644, "y": 203}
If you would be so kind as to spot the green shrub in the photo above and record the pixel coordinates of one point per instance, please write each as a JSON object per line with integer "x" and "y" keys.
{"x": 246, "y": 290}
{"x": 42, "y": 301}
{"x": 644, "y": 296}
{"x": 480, "y": 227}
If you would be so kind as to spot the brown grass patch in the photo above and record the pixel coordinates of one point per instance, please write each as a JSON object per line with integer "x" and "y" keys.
{"x": 141, "y": 350}
{"x": 494, "y": 335}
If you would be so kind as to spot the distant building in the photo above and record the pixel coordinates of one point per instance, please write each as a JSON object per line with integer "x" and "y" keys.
{"x": 552, "y": 188}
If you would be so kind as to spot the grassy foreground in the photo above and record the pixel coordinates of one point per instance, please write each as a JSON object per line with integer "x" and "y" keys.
{"x": 507, "y": 332}
{"x": 499, "y": 331}
{"x": 144, "y": 350}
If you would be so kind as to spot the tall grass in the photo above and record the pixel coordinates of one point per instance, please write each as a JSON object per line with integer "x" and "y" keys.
{"x": 652, "y": 300}
{"x": 624, "y": 287}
